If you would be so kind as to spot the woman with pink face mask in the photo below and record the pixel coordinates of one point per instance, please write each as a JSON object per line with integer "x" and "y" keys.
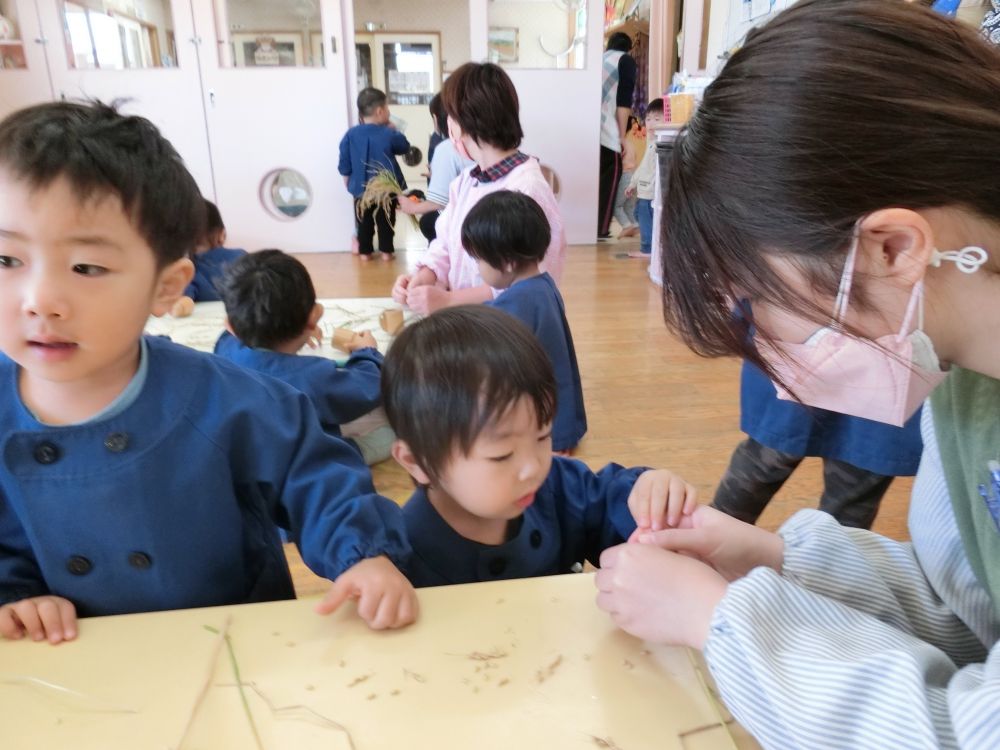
{"x": 843, "y": 174}
{"x": 484, "y": 126}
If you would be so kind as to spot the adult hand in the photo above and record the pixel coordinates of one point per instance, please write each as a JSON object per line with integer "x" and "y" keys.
{"x": 427, "y": 298}
{"x": 658, "y": 595}
{"x": 733, "y": 548}
{"x": 41, "y": 618}
{"x": 406, "y": 206}
{"x": 630, "y": 192}
{"x": 400, "y": 288}
{"x": 385, "y": 598}
{"x": 362, "y": 340}
{"x": 658, "y": 499}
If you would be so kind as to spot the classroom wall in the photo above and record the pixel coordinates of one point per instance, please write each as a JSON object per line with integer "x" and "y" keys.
{"x": 533, "y": 19}
{"x": 449, "y": 17}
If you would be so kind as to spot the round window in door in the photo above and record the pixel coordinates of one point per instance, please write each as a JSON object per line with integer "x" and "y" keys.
{"x": 285, "y": 193}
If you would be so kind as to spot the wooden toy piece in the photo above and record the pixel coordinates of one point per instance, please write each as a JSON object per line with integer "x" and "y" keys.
{"x": 342, "y": 338}
{"x": 391, "y": 321}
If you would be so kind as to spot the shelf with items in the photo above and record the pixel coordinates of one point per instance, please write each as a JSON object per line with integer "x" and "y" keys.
{"x": 12, "y": 55}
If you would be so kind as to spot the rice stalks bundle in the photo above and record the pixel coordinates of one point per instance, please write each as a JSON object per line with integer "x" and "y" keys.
{"x": 382, "y": 191}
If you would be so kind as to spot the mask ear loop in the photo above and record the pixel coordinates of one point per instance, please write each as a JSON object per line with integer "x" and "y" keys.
{"x": 915, "y": 305}
{"x": 846, "y": 279}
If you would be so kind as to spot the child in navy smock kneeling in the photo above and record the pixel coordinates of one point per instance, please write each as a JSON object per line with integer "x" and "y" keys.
{"x": 507, "y": 233}
{"x": 471, "y": 396}
{"x": 211, "y": 259}
{"x": 140, "y": 475}
{"x": 271, "y": 314}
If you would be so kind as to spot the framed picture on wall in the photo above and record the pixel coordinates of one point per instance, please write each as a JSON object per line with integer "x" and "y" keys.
{"x": 265, "y": 49}
{"x": 502, "y": 43}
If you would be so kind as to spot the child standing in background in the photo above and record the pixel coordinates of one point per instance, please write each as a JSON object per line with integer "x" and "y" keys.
{"x": 271, "y": 314}
{"x": 507, "y": 233}
{"x": 471, "y": 395}
{"x": 140, "y": 475}
{"x": 643, "y": 183}
{"x": 210, "y": 259}
{"x": 364, "y": 150}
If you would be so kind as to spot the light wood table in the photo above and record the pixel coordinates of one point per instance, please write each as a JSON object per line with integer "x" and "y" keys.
{"x": 514, "y": 664}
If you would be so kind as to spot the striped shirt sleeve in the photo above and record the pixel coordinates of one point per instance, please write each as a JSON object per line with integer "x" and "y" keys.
{"x": 864, "y": 642}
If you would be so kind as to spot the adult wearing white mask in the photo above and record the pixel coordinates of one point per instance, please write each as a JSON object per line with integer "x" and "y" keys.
{"x": 850, "y": 188}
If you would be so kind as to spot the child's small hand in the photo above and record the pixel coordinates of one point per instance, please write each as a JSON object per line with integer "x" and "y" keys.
{"x": 658, "y": 499}
{"x": 362, "y": 340}
{"x": 630, "y": 192}
{"x": 41, "y": 618}
{"x": 385, "y": 598}
{"x": 182, "y": 307}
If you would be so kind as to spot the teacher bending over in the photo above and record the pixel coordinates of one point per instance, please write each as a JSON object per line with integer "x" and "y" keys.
{"x": 843, "y": 174}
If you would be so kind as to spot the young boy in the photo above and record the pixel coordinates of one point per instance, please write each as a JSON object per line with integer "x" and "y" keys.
{"x": 363, "y": 150}
{"x": 643, "y": 182}
{"x": 211, "y": 258}
{"x": 471, "y": 396}
{"x": 271, "y": 314}
{"x": 507, "y": 233}
{"x": 139, "y": 475}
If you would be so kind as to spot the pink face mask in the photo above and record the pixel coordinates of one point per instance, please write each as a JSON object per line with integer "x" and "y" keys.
{"x": 885, "y": 380}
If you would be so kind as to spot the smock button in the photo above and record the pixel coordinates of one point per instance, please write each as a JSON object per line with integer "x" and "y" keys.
{"x": 140, "y": 560}
{"x": 116, "y": 442}
{"x": 535, "y": 539}
{"x": 79, "y": 565}
{"x": 46, "y": 453}
{"x": 497, "y": 566}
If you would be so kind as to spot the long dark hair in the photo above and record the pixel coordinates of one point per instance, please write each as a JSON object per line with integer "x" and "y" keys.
{"x": 834, "y": 109}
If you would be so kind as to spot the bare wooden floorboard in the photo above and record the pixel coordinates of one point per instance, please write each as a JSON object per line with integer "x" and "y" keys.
{"x": 650, "y": 401}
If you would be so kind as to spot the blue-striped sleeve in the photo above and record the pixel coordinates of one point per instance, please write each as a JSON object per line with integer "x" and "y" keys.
{"x": 864, "y": 642}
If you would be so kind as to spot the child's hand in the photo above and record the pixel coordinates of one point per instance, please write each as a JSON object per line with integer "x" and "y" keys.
{"x": 658, "y": 499}
{"x": 400, "y": 288}
{"x": 630, "y": 192}
{"x": 182, "y": 307}
{"x": 385, "y": 598}
{"x": 362, "y": 340}
{"x": 40, "y": 618}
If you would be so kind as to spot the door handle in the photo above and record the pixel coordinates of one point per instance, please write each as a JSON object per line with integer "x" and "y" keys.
{"x": 211, "y": 97}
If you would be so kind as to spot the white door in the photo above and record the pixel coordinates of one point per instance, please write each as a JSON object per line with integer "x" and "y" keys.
{"x": 140, "y": 51}
{"x": 24, "y": 76}
{"x": 274, "y": 95}
{"x": 553, "y": 55}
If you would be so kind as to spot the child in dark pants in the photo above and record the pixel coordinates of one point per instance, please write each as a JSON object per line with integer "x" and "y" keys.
{"x": 365, "y": 150}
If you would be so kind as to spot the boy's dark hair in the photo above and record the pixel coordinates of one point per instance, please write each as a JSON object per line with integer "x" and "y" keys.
{"x": 101, "y": 152}
{"x": 620, "y": 42}
{"x": 506, "y": 227}
{"x": 655, "y": 106}
{"x": 440, "y": 114}
{"x": 832, "y": 110}
{"x": 268, "y": 297}
{"x": 451, "y": 374}
{"x": 214, "y": 227}
{"x": 482, "y": 99}
{"x": 369, "y": 100}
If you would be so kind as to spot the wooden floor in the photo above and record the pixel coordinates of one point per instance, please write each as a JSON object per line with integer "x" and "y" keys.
{"x": 649, "y": 400}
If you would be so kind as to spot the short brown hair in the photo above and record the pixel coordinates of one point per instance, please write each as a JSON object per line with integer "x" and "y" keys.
{"x": 482, "y": 99}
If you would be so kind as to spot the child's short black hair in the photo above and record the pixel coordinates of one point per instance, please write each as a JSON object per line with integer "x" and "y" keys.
{"x": 214, "y": 226}
{"x": 440, "y": 114}
{"x": 269, "y": 297}
{"x": 101, "y": 152}
{"x": 448, "y": 376}
{"x": 369, "y": 100}
{"x": 506, "y": 228}
{"x": 654, "y": 107}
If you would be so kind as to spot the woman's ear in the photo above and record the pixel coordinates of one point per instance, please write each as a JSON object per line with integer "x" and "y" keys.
{"x": 170, "y": 285}
{"x": 896, "y": 244}
{"x": 405, "y": 458}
